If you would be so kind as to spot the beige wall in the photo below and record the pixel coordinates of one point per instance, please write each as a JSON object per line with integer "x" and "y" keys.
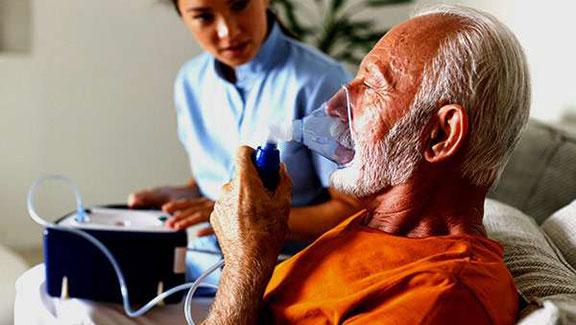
{"x": 93, "y": 101}
{"x": 15, "y": 25}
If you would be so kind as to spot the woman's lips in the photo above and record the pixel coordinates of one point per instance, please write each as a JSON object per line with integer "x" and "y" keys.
{"x": 235, "y": 50}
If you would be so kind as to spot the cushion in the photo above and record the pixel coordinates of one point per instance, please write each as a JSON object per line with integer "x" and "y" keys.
{"x": 561, "y": 228}
{"x": 538, "y": 268}
{"x": 555, "y": 310}
{"x": 539, "y": 178}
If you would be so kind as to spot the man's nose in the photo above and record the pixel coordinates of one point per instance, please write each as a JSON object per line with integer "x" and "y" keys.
{"x": 337, "y": 106}
{"x": 227, "y": 28}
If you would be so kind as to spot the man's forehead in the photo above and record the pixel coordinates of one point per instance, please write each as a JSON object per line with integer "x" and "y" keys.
{"x": 413, "y": 43}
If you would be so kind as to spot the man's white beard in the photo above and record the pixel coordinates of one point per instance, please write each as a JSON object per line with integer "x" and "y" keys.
{"x": 377, "y": 166}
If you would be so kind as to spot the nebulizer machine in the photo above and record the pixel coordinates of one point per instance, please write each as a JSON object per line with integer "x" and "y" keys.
{"x": 99, "y": 253}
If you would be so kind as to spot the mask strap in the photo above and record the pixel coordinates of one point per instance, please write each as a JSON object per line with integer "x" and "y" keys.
{"x": 349, "y": 110}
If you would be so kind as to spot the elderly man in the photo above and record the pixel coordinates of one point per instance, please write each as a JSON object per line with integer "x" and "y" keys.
{"x": 437, "y": 108}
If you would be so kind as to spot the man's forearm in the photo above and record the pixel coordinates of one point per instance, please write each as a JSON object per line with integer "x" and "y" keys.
{"x": 240, "y": 292}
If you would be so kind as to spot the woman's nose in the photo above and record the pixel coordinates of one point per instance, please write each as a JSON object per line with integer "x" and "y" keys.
{"x": 226, "y": 28}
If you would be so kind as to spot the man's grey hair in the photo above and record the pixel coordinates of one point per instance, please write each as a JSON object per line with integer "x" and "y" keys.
{"x": 483, "y": 68}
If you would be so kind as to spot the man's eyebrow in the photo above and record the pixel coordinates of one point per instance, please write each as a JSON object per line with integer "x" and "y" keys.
{"x": 375, "y": 69}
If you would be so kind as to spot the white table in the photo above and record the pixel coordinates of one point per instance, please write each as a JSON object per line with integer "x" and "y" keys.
{"x": 11, "y": 266}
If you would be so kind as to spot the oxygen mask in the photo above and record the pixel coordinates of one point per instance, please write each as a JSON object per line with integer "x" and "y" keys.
{"x": 326, "y": 130}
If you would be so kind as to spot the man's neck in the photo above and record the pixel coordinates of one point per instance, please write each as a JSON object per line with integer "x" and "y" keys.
{"x": 427, "y": 207}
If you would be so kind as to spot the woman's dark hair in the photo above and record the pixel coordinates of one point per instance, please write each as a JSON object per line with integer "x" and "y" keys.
{"x": 271, "y": 18}
{"x": 175, "y": 2}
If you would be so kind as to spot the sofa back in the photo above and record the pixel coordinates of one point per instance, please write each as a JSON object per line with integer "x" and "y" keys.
{"x": 540, "y": 177}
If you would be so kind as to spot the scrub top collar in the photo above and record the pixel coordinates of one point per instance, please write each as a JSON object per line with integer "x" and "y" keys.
{"x": 273, "y": 51}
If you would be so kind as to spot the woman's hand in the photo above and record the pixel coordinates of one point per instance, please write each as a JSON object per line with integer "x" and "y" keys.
{"x": 189, "y": 212}
{"x": 251, "y": 223}
{"x": 157, "y": 197}
{"x": 152, "y": 198}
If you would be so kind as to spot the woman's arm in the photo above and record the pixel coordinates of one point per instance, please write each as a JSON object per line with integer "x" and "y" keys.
{"x": 309, "y": 222}
{"x": 305, "y": 223}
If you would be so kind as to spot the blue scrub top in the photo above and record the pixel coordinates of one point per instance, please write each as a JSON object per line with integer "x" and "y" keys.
{"x": 285, "y": 81}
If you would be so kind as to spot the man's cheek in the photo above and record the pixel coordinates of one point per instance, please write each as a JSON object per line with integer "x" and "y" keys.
{"x": 366, "y": 124}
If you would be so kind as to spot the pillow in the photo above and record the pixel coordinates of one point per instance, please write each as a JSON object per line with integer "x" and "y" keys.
{"x": 539, "y": 178}
{"x": 561, "y": 228}
{"x": 550, "y": 311}
{"x": 538, "y": 268}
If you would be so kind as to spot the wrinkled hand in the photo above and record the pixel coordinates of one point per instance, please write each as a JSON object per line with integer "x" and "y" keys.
{"x": 188, "y": 213}
{"x": 250, "y": 221}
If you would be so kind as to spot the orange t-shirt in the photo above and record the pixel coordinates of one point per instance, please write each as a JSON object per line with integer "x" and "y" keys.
{"x": 357, "y": 275}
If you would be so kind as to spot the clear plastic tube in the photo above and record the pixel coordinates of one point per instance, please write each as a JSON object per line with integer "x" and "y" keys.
{"x": 121, "y": 281}
{"x": 195, "y": 286}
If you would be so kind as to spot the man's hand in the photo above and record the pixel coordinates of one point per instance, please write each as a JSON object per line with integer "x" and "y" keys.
{"x": 251, "y": 224}
{"x": 189, "y": 212}
{"x": 250, "y": 221}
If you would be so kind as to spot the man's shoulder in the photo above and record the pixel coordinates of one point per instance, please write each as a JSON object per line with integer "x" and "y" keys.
{"x": 438, "y": 277}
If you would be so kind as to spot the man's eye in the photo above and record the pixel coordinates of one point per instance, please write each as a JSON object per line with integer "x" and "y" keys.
{"x": 203, "y": 18}
{"x": 376, "y": 83}
{"x": 239, "y": 5}
{"x": 368, "y": 85}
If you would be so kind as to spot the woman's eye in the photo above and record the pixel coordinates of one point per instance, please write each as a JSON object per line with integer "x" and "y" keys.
{"x": 239, "y": 5}
{"x": 203, "y": 18}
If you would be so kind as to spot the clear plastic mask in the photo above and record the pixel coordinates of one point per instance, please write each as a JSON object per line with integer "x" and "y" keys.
{"x": 327, "y": 130}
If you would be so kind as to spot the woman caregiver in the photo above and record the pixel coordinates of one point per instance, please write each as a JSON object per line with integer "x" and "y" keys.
{"x": 251, "y": 76}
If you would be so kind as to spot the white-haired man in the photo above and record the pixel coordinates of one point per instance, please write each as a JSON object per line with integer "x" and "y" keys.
{"x": 437, "y": 108}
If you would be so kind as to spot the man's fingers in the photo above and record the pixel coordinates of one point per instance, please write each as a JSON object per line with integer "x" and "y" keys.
{"x": 245, "y": 168}
{"x": 244, "y": 156}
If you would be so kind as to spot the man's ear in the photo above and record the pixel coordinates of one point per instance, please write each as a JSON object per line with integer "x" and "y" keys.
{"x": 448, "y": 131}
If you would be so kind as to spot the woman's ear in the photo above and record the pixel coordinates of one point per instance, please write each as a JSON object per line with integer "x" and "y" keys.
{"x": 448, "y": 131}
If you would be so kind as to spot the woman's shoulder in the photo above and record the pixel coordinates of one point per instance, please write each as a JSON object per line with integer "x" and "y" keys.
{"x": 309, "y": 60}
{"x": 195, "y": 67}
